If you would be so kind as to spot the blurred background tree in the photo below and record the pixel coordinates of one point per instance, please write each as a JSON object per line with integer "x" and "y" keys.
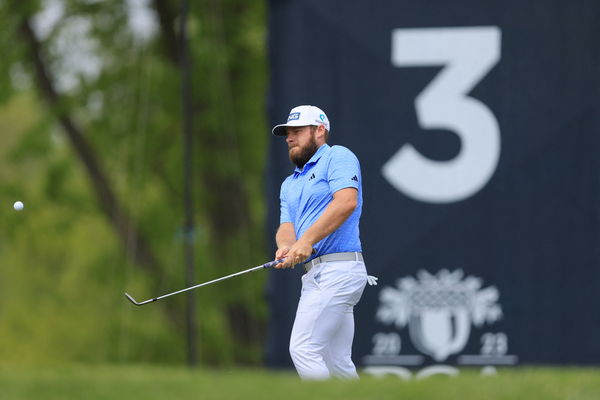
{"x": 90, "y": 116}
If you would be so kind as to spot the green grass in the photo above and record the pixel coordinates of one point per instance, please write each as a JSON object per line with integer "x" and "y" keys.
{"x": 149, "y": 382}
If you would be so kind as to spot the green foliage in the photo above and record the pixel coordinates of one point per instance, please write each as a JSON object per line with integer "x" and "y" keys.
{"x": 63, "y": 268}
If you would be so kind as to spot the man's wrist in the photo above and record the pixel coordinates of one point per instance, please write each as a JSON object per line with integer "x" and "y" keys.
{"x": 306, "y": 241}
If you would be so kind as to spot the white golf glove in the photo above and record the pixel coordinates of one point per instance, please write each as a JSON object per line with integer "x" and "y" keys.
{"x": 372, "y": 280}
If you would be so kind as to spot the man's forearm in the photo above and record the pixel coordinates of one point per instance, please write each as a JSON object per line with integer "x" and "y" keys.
{"x": 335, "y": 214}
{"x": 341, "y": 207}
{"x": 285, "y": 236}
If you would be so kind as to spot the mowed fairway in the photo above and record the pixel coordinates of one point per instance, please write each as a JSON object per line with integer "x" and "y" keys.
{"x": 145, "y": 382}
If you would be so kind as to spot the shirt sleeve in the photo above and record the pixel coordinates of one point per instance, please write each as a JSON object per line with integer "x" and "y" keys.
{"x": 284, "y": 215}
{"x": 344, "y": 170}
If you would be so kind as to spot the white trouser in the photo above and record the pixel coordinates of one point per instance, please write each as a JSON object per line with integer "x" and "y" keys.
{"x": 321, "y": 341}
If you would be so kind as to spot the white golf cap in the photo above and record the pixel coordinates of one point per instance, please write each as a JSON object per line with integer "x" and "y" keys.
{"x": 303, "y": 116}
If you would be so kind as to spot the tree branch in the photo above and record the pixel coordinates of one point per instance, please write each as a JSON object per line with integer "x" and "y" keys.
{"x": 166, "y": 18}
{"x": 133, "y": 242}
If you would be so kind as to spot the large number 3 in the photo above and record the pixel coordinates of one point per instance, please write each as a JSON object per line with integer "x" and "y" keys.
{"x": 467, "y": 54}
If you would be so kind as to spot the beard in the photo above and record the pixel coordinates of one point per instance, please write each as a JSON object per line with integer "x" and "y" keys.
{"x": 301, "y": 157}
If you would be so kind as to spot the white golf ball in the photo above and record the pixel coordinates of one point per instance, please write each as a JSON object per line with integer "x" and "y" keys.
{"x": 18, "y": 206}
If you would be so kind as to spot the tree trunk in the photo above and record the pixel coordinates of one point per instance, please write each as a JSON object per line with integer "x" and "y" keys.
{"x": 133, "y": 242}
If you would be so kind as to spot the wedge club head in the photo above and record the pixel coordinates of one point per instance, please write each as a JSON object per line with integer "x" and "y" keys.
{"x": 131, "y": 299}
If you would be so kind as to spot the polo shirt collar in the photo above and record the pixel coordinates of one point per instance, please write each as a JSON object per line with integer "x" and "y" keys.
{"x": 320, "y": 151}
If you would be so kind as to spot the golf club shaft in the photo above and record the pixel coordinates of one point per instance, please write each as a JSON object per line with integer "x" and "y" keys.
{"x": 266, "y": 265}
{"x": 211, "y": 282}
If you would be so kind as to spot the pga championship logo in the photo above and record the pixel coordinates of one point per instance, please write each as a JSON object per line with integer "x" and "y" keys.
{"x": 439, "y": 312}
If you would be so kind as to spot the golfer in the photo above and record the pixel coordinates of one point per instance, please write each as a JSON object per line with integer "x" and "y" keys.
{"x": 321, "y": 203}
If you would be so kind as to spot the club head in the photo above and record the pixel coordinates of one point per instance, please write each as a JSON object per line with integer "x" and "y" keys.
{"x": 131, "y": 299}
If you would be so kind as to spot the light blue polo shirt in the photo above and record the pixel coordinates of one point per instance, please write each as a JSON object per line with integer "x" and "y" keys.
{"x": 306, "y": 193}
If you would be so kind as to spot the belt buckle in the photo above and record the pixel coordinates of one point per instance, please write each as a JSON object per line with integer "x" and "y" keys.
{"x": 309, "y": 264}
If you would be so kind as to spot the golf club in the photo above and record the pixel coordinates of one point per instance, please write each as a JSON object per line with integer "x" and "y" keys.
{"x": 270, "y": 264}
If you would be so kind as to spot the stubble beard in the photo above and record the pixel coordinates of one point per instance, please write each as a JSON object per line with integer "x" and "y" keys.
{"x": 301, "y": 158}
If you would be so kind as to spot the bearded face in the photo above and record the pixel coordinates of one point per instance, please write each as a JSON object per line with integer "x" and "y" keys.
{"x": 302, "y": 145}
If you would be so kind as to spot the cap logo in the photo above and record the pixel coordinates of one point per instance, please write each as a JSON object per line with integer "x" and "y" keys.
{"x": 322, "y": 116}
{"x": 294, "y": 116}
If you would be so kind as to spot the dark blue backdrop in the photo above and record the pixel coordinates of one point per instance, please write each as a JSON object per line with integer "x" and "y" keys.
{"x": 504, "y": 271}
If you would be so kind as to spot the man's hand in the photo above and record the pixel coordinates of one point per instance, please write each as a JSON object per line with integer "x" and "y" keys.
{"x": 297, "y": 253}
{"x": 280, "y": 254}
{"x": 285, "y": 238}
